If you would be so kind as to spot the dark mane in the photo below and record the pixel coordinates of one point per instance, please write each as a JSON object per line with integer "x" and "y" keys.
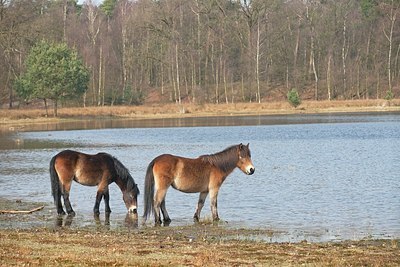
{"x": 125, "y": 176}
{"x": 225, "y": 160}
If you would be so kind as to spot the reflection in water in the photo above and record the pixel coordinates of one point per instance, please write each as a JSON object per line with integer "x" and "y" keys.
{"x": 206, "y": 121}
{"x": 131, "y": 220}
{"x": 64, "y": 220}
{"x": 98, "y": 222}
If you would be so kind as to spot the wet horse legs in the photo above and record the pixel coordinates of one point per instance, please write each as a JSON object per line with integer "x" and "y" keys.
{"x": 67, "y": 203}
{"x": 65, "y": 193}
{"x": 213, "y": 200}
{"x": 159, "y": 202}
{"x": 200, "y": 204}
{"x": 60, "y": 210}
{"x": 99, "y": 196}
{"x": 167, "y": 219}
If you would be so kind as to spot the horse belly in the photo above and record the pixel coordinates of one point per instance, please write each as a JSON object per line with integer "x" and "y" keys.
{"x": 190, "y": 185}
{"x": 88, "y": 179}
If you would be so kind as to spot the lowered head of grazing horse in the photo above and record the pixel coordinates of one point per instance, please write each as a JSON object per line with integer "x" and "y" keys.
{"x": 98, "y": 170}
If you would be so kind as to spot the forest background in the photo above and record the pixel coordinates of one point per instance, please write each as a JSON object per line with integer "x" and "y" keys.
{"x": 210, "y": 51}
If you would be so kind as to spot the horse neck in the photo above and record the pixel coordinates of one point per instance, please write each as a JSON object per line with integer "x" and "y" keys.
{"x": 121, "y": 184}
{"x": 225, "y": 160}
{"x": 122, "y": 176}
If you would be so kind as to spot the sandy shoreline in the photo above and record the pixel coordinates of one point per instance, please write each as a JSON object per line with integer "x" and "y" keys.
{"x": 25, "y": 116}
{"x": 198, "y": 245}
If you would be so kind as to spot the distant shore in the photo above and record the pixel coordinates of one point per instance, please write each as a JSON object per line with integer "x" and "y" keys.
{"x": 23, "y": 116}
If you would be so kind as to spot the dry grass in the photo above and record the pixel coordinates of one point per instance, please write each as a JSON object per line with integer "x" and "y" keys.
{"x": 187, "y": 110}
{"x": 172, "y": 247}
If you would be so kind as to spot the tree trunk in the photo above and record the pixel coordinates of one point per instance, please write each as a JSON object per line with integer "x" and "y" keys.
{"x": 65, "y": 8}
{"x": 55, "y": 108}
{"x": 296, "y": 54}
{"x": 45, "y": 106}
{"x": 328, "y": 77}
{"x": 124, "y": 52}
{"x": 177, "y": 74}
{"x": 258, "y": 98}
{"x": 344, "y": 54}
{"x": 390, "y": 39}
{"x": 100, "y": 75}
{"x": 366, "y": 65}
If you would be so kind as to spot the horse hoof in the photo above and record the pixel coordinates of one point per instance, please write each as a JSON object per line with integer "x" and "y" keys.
{"x": 71, "y": 213}
{"x": 167, "y": 222}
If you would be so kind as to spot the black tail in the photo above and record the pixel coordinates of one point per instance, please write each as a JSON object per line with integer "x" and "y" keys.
{"x": 149, "y": 191}
{"x": 55, "y": 182}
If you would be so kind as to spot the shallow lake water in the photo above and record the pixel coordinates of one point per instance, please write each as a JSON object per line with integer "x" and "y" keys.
{"x": 318, "y": 177}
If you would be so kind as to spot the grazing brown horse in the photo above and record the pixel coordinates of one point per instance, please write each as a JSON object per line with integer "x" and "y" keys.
{"x": 204, "y": 174}
{"x": 98, "y": 170}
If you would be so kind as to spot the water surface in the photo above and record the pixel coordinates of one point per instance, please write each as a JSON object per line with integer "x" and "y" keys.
{"x": 318, "y": 177}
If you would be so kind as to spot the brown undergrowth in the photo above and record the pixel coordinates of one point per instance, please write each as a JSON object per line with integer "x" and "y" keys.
{"x": 190, "y": 109}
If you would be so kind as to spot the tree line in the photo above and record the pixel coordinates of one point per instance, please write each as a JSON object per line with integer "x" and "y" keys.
{"x": 210, "y": 51}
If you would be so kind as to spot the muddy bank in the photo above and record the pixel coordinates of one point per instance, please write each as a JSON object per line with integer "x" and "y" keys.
{"x": 198, "y": 245}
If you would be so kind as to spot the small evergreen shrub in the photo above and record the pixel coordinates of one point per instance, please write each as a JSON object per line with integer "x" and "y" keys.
{"x": 389, "y": 95}
{"x": 294, "y": 98}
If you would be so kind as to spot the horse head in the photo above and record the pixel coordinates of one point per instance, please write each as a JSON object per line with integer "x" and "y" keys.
{"x": 130, "y": 196}
{"x": 244, "y": 163}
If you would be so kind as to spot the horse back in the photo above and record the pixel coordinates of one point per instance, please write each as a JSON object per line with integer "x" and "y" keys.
{"x": 184, "y": 174}
{"x": 84, "y": 168}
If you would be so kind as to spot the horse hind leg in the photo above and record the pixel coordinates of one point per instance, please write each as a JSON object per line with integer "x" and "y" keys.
{"x": 60, "y": 210}
{"x": 107, "y": 202}
{"x": 167, "y": 219}
{"x": 96, "y": 208}
{"x": 65, "y": 192}
{"x": 159, "y": 201}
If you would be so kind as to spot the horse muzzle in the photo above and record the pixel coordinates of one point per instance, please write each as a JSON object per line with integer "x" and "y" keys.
{"x": 250, "y": 170}
{"x": 132, "y": 210}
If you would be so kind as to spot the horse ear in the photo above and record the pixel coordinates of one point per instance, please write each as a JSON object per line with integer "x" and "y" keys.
{"x": 248, "y": 145}
{"x": 240, "y": 146}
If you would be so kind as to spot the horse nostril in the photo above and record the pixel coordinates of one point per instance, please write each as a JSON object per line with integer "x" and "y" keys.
{"x": 134, "y": 211}
{"x": 252, "y": 170}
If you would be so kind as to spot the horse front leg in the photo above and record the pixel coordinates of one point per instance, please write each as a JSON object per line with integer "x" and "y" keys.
{"x": 200, "y": 204}
{"x": 213, "y": 200}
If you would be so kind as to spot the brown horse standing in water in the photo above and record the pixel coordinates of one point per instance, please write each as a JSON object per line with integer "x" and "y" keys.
{"x": 204, "y": 174}
{"x": 101, "y": 169}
